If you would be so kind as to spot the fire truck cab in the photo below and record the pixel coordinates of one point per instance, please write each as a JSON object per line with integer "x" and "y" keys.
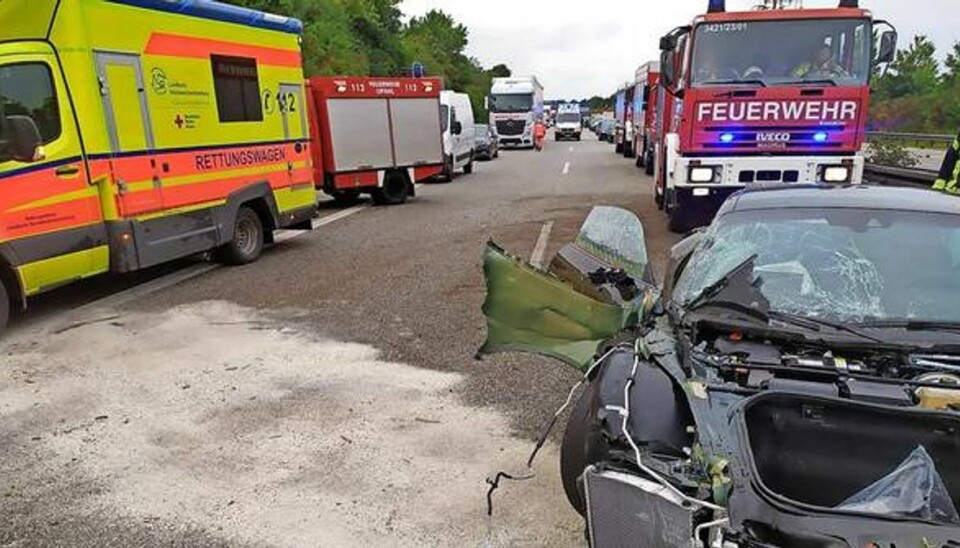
{"x": 778, "y": 94}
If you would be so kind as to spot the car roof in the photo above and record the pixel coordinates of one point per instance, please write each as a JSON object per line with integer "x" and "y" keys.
{"x": 780, "y": 196}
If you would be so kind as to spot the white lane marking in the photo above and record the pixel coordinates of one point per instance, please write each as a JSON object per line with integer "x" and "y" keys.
{"x": 566, "y": 168}
{"x": 536, "y": 259}
{"x": 180, "y": 276}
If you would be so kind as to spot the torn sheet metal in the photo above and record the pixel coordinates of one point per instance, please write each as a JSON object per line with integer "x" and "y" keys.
{"x": 531, "y": 311}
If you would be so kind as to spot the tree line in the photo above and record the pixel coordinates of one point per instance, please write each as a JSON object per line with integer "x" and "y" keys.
{"x": 371, "y": 38}
{"x": 917, "y": 93}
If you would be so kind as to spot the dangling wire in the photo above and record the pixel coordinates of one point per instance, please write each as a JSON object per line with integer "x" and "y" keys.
{"x": 545, "y": 430}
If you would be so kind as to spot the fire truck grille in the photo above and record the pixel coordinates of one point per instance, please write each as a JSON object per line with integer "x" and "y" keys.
{"x": 510, "y": 127}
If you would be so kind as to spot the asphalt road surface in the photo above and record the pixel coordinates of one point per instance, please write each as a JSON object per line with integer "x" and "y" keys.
{"x": 327, "y": 395}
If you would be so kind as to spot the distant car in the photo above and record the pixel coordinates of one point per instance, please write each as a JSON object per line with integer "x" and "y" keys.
{"x": 487, "y": 143}
{"x": 605, "y": 129}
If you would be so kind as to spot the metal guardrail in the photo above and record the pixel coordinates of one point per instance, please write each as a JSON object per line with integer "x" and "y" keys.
{"x": 911, "y": 138}
{"x": 898, "y": 176}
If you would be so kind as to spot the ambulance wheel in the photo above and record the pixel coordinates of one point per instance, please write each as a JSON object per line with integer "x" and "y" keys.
{"x": 573, "y": 453}
{"x": 4, "y": 307}
{"x": 247, "y": 243}
{"x": 394, "y": 190}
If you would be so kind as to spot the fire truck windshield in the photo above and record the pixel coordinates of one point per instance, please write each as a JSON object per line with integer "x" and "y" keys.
{"x": 519, "y": 102}
{"x": 776, "y": 53}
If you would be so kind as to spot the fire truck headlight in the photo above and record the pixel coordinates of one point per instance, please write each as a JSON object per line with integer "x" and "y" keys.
{"x": 702, "y": 174}
{"x": 836, "y": 174}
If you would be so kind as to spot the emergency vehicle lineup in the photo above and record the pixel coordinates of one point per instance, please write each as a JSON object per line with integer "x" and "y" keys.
{"x": 765, "y": 339}
{"x": 189, "y": 130}
{"x": 194, "y": 130}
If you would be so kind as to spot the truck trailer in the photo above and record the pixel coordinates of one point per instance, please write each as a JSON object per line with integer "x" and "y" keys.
{"x": 135, "y": 132}
{"x": 769, "y": 95}
{"x": 376, "y": 136}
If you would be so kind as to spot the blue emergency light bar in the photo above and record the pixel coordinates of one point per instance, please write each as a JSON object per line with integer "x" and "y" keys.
{"x": 821, "y": 136}
{"x": 717, "y": 6}
{"x": 218, "y": 11}
{"x": 727, "y": 138}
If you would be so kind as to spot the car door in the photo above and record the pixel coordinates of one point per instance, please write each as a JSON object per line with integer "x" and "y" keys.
{"x": 132, "y": 161}
{"x": 51, "y": 227}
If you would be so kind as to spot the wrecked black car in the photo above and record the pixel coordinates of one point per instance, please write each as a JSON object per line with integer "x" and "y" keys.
{"x": 794, "y": 381}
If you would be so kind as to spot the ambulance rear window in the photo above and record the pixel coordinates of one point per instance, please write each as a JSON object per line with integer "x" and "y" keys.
{"x": 237, "y": 86}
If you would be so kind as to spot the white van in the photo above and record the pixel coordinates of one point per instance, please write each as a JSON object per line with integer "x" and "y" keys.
{"x": 456, "y": 119}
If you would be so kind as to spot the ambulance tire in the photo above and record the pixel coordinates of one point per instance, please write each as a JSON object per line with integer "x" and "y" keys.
{"x": 4, "y": 306}
{"x": 248, "y": 238}
{"x": 394, "y": 191}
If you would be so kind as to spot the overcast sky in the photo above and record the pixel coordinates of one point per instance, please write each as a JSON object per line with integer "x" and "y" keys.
{"x": 588, "y": 47}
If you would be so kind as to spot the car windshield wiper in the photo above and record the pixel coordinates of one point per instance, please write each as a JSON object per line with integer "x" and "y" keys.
{"x": 818, "y": 82}
{"x": 914, "y": 325}
{"x": 815, "y": 324}
{"x": 715, "y": 288}
{"x": 750, "y": 82}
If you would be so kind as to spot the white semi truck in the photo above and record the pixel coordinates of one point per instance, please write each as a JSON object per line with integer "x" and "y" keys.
{"x": 515, "y": 104}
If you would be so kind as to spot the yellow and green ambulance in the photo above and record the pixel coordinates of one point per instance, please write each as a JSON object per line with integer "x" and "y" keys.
{"x": 134, "y": 132}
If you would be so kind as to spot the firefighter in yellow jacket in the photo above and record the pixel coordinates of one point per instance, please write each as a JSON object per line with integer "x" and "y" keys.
{"x": 950, "y": 170}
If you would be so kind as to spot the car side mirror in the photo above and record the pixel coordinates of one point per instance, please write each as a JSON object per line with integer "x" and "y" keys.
{"x": 23, "y": 139}
{"x": 457, "y": 128}
{"x": 888, "y": 47}
{"x": 667, "y": 69}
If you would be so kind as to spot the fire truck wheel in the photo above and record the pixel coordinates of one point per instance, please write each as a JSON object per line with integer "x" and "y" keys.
{"x": 346, "y": 197}
{"x": 573, "y": 453}
{"x": 678, "y": 223}
{"x": 394, "y": 190}
{"x": 247, "y": 243}
{"x": 4, "y": 306}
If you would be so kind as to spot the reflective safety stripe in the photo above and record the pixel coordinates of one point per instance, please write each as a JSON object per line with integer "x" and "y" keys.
{"x": 46, "y": 274}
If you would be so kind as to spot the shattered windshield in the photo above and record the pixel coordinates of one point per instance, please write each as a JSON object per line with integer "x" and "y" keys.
{"x": 845, "y": 265}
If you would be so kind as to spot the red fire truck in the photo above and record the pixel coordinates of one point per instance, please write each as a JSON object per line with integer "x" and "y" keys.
{"x": 375, "y": 135}
{"x": 770, "y": 95}
{"x": 644, "y": 114}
